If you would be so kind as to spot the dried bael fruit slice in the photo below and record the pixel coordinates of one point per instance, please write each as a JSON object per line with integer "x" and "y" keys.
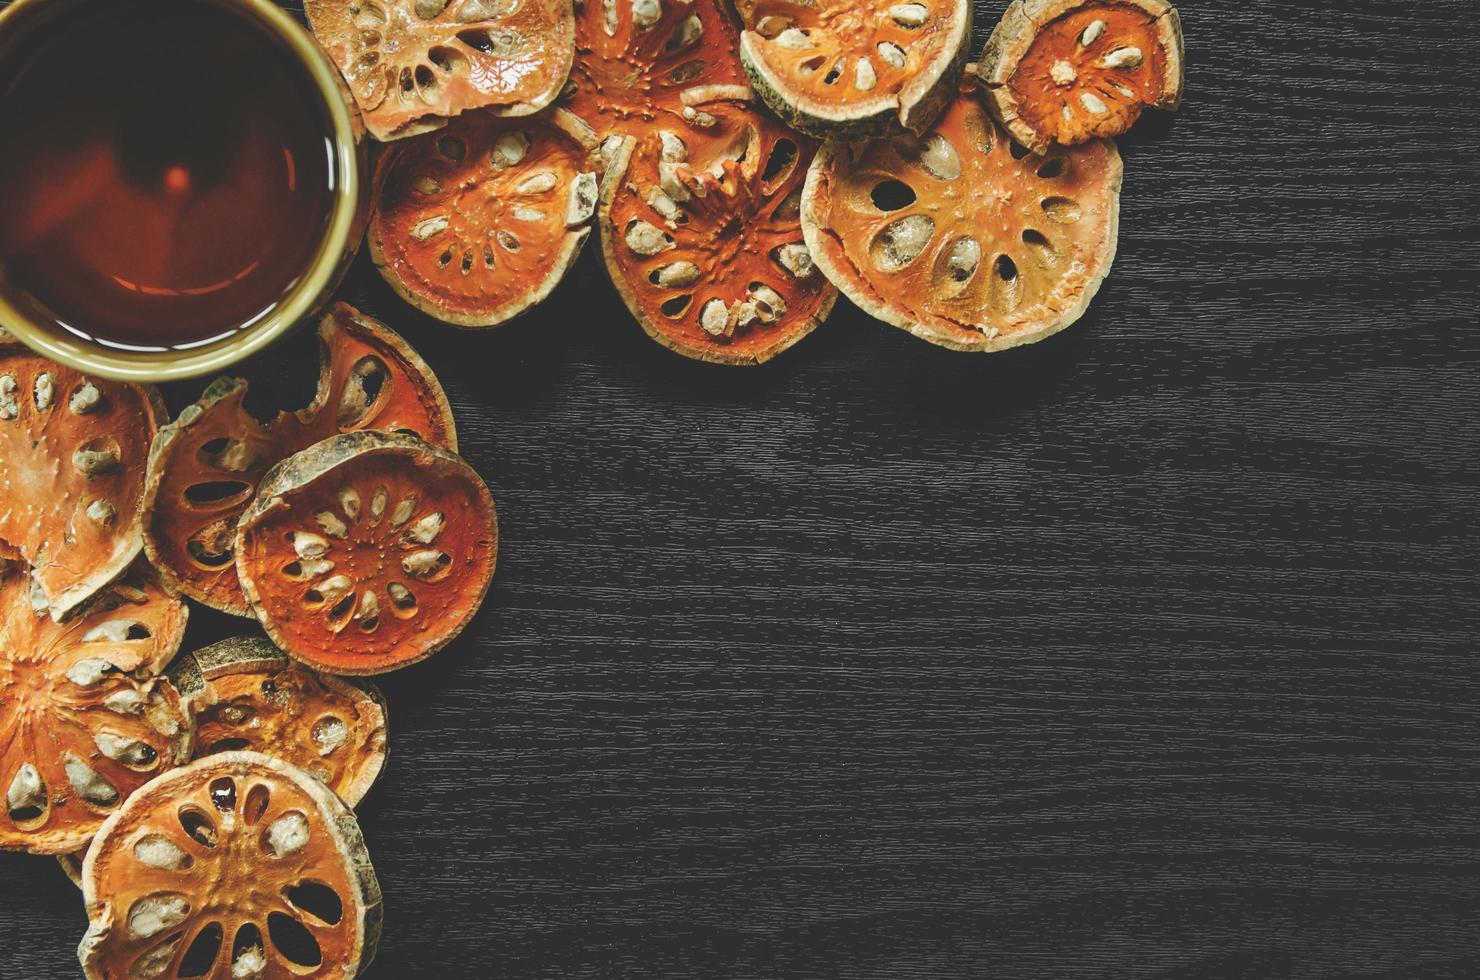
{"x": 245, "y": 694}
{"x": 238, "y": 865}
{"x": 963, "y": 238}
{"x": 414, "y": 64}
{"x": 701, "y": 232}
{"x": 635, "y": 58}
{"x": 477, "y": 223}
{"x": 72, "y": 451}
{"x": 1068, "y": 71}
{"x": 841, "y": 69}
{"x": 205, "y": 466}
{"x": 367, "y": 552}
{"x": 84, "y": 718}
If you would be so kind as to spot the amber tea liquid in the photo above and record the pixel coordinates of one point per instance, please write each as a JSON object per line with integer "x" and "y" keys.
{"x": 167, "y": 172}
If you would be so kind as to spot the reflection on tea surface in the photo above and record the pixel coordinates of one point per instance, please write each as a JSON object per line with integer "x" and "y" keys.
{"x": 174, "y": 175}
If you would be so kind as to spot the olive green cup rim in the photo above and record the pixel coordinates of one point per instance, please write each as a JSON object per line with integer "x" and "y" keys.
{"x": 303, "y": 299}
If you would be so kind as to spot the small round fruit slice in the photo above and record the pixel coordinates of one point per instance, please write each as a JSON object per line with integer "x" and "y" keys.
{"x": 478, "y": 222}
{"x": 205, "y": 466}
{"x": 367, "y": 552}
{"x": 245, "y": 694}
{"x": 238, "y": 865}
{"x": 72, "y": 452}
{"x": 701, "y": 232}
{"x": 414, "y": 64}
{"x": 84, "y": 716}
{"x": 1068, "y": 71}
{"x": 841, "y": 69}
{"x": 636, "y": 58}
{"x": 962, "y": 237}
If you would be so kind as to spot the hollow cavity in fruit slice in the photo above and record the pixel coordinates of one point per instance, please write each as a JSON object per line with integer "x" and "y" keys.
{"x": 205, "y": 466}
{"x": 367, "y": 552}
{"x": 636, "y": 58}
{"x": 236, "y": 865}
{"x": 701, "y": 232}
{"x": 1068, "y": 71}
{"x": 244, "y": 693}
{"x": 86, "y": 718}
{"x": 72, "y": 456}
{"x": 844, "y": 69}
{"x": 476, "y": 223}
{"x": 963, "y": 237}
{"x": 414, "y": 64}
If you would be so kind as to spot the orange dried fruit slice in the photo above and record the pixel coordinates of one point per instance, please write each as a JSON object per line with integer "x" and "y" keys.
{"x": 414, "y": 64}
{"x": 701, "y": 231}
{"x": 238, "y": 865}
{"x": 367, "y": 552}
{"x": 636, "y": 58}
{"x": 205, "y": 466}
{"x": 1069, "y": 71}
{"x": 72, "y": 454}
{"x": 244, "y": 693}
{"x": 478, "y": 222}
{"x": 962, "y": 237}
{"x": 85, "y": 718}
{"x": 840, "y": 69}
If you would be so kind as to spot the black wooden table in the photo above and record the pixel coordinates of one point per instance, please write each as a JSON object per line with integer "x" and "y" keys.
{"x": 1149, "y": 651}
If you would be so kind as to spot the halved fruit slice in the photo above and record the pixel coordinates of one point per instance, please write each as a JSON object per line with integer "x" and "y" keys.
{"x": 367, "y": 552}
{"x": 635, "y": 58}
{"x": 238, "y": 865}
{"x": 72, "y": 452}
{"x": 244, "y": 693}
{"x": 477, "y": 223}
{"x": 1068, "y": 71}
{"x": 85, "y": 717}
{"x": 701, "y": 232}
{"x": 414, "y": 64}
{"x": 841, "y": 69}
{"x": 964, "y": 238}
{"x": 205, "y": 466}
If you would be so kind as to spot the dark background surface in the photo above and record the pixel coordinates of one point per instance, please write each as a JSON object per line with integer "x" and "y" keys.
{"x": 1149, "y": 651}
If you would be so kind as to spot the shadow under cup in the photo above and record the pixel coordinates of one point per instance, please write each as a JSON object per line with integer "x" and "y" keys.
{"x": 185, "y": 183}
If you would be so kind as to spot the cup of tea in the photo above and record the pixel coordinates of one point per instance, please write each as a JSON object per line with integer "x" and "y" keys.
{"x": 182, "y": 181}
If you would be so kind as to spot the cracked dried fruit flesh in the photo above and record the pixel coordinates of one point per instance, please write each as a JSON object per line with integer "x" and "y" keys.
{"x": 701, "y": 232}
{"x": 84, "y": 717}
{"x": 245, "y": 694}
{"x": 1068, "y": 71}
{"x": 237, "y": 865}
{"x": 205, "y": 466}
{"x": 841, "y": 69}
{"x": 476, "y": 223}
{"x": 367, "y": 552}
{"x": 414, "y": 64}
{"x": 636, "y": 58}
{"x": 963, "y": 237}
{"x": 72, "y": 454}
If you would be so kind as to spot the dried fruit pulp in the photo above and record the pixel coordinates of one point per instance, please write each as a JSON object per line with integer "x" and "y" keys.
{"x": 149, "y": 213}
{"x": 83, "y": 719}
{"x": 964, "y": 238}
{"x": 245, "y": 694}
{"x": 205, "y": 467}
{"x": 1068, "y": 71}
{"x": 846, "y": 69}
{"x": 368, "y": 552}
{"x": 235, "y": 865}
{"x": 476, "y": 223}
{"x": 632, "y": 68}
{"x": 704, "y": 241}
{"x": 72, "y": 481}
{"x": 414, "y": 64}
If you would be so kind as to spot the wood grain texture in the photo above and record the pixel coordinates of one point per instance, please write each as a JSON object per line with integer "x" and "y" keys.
{"x": 1150, "y": 651}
